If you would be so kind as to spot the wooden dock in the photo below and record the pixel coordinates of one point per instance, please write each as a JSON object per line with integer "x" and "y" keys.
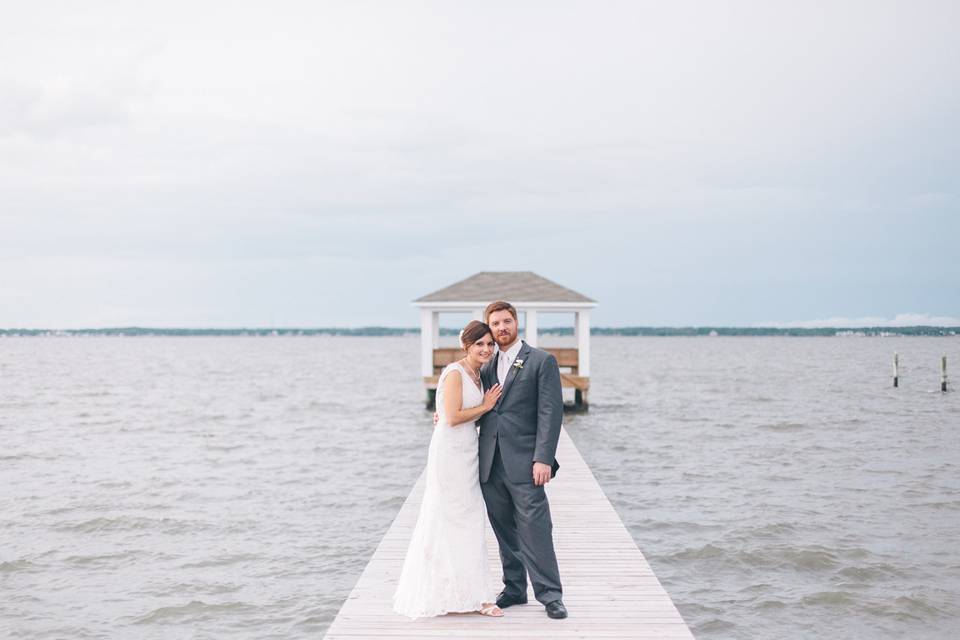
{"x": 608, "y": 587}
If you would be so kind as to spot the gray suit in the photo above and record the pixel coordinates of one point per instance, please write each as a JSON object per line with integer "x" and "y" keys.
{"x": 521, "y": 429}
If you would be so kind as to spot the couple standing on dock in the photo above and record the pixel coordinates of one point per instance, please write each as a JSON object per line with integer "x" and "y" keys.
{"x": 513, "y": 394}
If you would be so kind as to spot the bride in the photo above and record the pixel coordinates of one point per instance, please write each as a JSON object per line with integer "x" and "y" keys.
{"x": 445, "y": 569}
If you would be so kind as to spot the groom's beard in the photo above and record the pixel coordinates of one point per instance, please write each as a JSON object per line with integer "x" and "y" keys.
{"x": 505, "y": 341}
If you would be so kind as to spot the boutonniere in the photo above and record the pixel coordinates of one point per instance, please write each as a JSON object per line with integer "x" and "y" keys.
{"x": 518, "y": 364}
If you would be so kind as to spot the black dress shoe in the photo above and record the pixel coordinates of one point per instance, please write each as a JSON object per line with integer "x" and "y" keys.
{"x": 505, "y": 600}
{"x": 556, "y": 610}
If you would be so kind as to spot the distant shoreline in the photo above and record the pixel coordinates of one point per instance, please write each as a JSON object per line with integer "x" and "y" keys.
{"x": 401, "y": 331}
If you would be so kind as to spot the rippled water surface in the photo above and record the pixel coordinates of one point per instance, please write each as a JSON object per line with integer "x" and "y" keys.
{"x": 236, "y": 487}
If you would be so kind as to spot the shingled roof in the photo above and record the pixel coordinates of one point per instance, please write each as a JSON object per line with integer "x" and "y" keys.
{"x": 513, "y": 286}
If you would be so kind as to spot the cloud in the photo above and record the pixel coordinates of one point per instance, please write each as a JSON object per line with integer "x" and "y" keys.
{"x": 51, "y": 112}
{"x": 900, "y": 320}
{"x": 642, "y": 152}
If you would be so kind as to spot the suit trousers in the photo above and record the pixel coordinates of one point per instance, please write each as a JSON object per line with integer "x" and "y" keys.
{"x": 520, "y": 517}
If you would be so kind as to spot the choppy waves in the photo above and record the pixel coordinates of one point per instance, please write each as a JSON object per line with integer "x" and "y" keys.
{"x": 795, "y": 501}
{"x": 197, "y": 487}
{"x": 236, "y": 487}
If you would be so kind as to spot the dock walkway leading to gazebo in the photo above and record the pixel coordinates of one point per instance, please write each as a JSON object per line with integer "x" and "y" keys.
{"x": 608, "y": 587}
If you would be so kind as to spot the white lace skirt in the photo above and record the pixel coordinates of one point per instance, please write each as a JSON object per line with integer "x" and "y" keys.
{"x": 446, "y": 569}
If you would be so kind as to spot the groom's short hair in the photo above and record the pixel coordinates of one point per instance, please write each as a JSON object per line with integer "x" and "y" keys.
{"x": 499, "y": 305}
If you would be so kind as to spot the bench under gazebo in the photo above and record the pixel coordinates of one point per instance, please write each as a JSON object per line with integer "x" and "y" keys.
{"x": 531, "y": 294}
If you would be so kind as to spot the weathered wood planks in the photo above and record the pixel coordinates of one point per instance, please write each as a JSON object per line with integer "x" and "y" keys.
{"x": 609, "y": 589}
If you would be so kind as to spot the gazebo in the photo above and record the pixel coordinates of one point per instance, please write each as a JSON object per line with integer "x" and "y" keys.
{"x": 530, "y": 294}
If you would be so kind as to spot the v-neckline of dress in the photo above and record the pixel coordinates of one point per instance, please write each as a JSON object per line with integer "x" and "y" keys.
{"x": 467, "y": 375}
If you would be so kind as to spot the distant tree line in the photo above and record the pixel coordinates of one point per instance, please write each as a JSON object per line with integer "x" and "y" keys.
{"x": 773, "y": 331}
{"x": 147, "y": 331}
{"x": 563, "y": 331}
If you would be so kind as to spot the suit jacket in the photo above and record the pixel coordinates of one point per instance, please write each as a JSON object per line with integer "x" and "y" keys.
{"x": 526, "y": 421}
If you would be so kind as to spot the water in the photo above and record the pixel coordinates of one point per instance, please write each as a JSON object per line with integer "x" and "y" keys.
{"x": 236, "y": 487}
{"x": 780, "y": 487}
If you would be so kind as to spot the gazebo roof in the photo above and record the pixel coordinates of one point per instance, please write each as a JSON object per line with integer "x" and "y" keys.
{"x": 513, "y": 286}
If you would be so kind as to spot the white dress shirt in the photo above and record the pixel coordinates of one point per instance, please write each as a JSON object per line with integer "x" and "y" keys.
{"x": 505, "y": 360}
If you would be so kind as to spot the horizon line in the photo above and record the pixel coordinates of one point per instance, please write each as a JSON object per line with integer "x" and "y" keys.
{"x": 413, "y": 329}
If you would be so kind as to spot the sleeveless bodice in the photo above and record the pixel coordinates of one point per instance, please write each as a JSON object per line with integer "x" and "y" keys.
{"x": 472, "y": 396}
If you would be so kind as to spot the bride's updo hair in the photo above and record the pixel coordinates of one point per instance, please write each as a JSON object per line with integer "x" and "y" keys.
{"x": 473, "y": 332}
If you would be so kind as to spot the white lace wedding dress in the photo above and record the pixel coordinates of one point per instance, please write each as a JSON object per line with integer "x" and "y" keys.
{"x": 445, "y": 569}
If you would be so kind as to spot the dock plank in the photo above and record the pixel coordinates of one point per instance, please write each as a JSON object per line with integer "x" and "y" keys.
{"x": 608, "y": 586}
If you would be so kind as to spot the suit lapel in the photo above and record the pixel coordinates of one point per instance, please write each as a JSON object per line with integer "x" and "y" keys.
{"x": 513, "y": 372}
{"x": 485, "y": 375}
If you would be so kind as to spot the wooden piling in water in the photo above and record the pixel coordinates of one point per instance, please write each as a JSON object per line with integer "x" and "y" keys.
{"x": 943, "y": 373}
{"x": 896, "y": 370}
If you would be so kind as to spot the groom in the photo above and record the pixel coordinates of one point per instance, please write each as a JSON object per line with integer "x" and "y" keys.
{"x": 518, "y": 440}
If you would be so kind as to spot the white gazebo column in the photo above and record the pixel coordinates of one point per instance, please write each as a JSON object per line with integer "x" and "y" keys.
{"x": 429, "y": 333}
{"x": 582, "y": 331}
{"x": 530, "y": 333}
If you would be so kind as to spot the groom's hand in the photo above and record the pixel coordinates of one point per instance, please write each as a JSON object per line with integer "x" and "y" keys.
{"x": 541, "y": 473}
{"x": 436, "y": 418}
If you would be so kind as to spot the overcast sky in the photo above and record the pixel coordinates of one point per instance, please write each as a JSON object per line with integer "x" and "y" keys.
{"x": 323, "y": 163}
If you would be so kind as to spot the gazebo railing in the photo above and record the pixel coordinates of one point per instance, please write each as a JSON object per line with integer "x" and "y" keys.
{"x": 567, "y": 358}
